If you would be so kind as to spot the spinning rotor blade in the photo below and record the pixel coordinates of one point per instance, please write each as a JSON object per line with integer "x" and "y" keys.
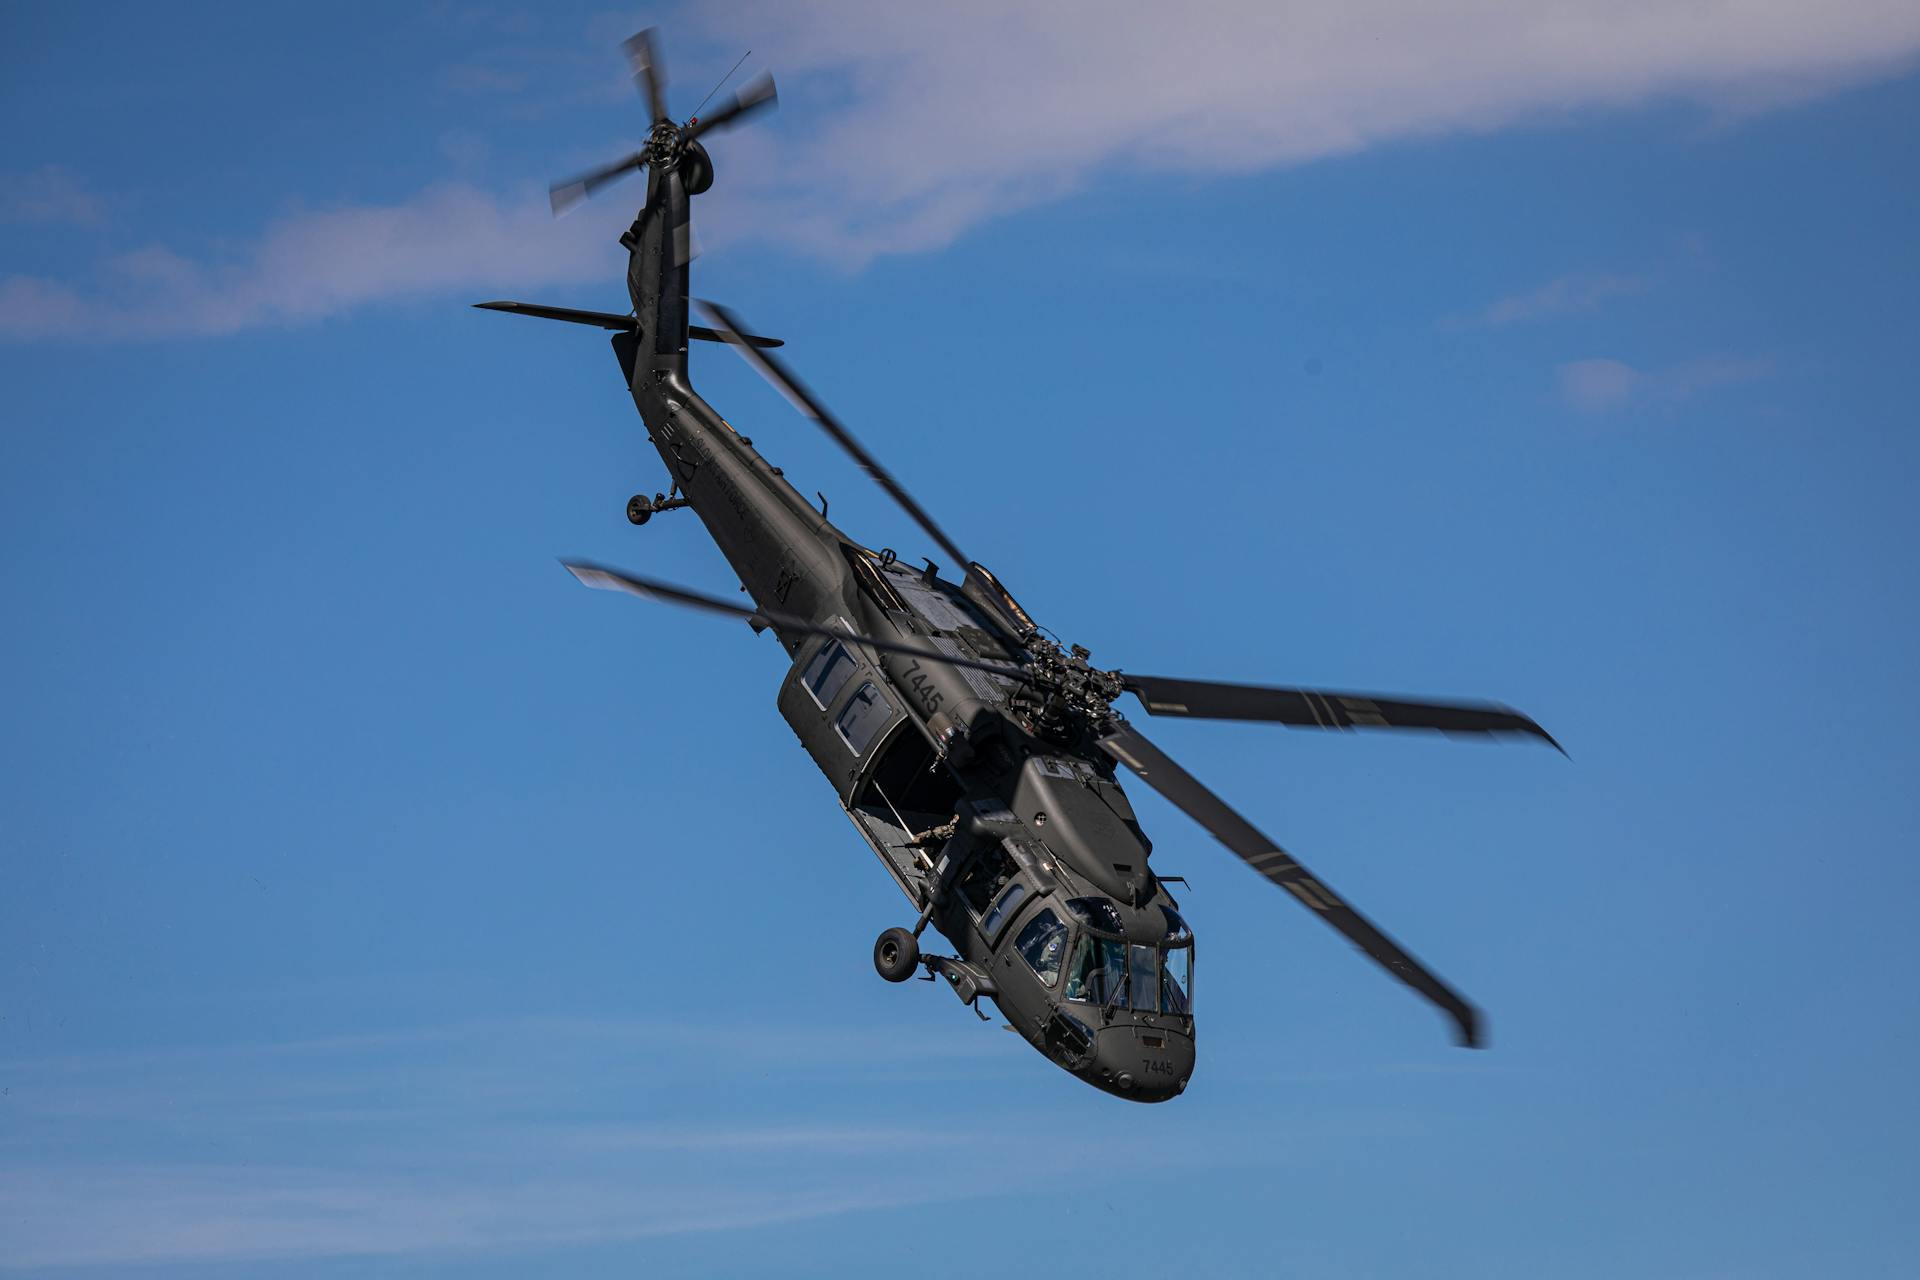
{"x": 647, "y": 72}
{"x": 1264, "y": 856}
{"x": 605, "y": 579}
{"x": 1322, "y": 709}
{"x": 775, "y": 372}
{"x": 564, "y": 195}
{"x": 755, "y": 94}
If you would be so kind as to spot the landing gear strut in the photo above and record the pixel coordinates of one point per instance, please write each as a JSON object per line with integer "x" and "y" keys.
{"x": 640, "y": 507}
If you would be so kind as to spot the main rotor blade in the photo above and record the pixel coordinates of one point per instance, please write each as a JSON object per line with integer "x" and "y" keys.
{"x": 604, "y": 579}
{"x": 755, "y": 94}
{"x": 564, "y": 195}
{"x": 1324, "y": 709}
{"x": 1263, "y": 855}
{"x": 776, "y": 372}
{"x": 647, "y": 72}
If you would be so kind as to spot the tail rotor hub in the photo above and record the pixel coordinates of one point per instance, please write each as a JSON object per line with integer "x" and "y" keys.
{"x": 667, "y": 143}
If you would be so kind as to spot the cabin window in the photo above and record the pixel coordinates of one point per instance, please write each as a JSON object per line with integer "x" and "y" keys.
{"x": 1003, "y": 910}
{"x": 1043, "y": 944}
{"x": 827, "y": 673}
{"x": 991, "y": 870}
{"x": 864, "y": 716}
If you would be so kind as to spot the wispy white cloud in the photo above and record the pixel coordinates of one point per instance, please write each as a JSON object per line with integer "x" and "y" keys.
{"x": 450, "y": 1138}
{"x": 943, "y": 117}
{"x": 48, "y": 194}
{"x": 312, "y": 264}
{"x": 181, "y": 1213}
{"x": 1595, "y": 384}
{"x": 962, "y": 112}
{"x": 1575, "y": 293}
{"x": 1598, "y": 384}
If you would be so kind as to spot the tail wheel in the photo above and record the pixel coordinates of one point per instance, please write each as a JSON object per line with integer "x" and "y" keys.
{"x": 896, "y": 955}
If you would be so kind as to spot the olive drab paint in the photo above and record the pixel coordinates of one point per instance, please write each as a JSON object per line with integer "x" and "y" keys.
{"x": 973, "y": 753}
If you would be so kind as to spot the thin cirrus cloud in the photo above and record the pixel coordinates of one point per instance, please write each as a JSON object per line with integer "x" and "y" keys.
{"x": 944, "y": 117}
{"x": 144, "y": 1215}
{"x": 49, "y": 194}
{"x": 1577, "y": 293}
{"x": 964, "y": 111}
{"x": 313, "y": 264}
{"x": 441, "y": 1139}
{"x": 1599, "y": 384}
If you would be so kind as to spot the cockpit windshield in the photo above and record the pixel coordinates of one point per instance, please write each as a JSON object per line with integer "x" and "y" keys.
{"x": 1123, "y": 975}
{"x": 1098, "y": 973}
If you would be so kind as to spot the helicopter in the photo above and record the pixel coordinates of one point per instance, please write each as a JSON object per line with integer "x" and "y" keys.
{"x": 977, "y": 756}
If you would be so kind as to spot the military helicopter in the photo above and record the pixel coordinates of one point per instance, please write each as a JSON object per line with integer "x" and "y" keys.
{"x": 974, "y": 753}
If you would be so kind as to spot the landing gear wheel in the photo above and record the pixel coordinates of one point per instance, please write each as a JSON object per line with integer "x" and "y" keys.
{"x": 896, "y": 955}
{"x": 639, "y": 509}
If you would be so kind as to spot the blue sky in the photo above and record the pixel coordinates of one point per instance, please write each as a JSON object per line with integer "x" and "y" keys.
{"x": 379, "y": 903}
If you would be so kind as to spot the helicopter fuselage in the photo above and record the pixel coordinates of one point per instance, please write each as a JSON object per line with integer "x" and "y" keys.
{"x": 998, "y": 817}
{"x": 973, "y": 752}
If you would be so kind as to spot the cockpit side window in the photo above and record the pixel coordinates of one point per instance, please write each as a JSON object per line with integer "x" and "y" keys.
{"x": 827, "y": 673}
{"x": 1176, "y": 979}
{"x": 1043, "y": 944}
{"x": 865, "y": 715}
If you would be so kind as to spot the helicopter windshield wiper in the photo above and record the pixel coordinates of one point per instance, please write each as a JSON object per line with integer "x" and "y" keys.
{"x": 604, "y": 579}
{"x": 1112, "y": 1001}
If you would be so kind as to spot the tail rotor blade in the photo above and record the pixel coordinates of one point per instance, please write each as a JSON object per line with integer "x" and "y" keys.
{"x": 564, "y": 195}
{"x": 647, "y": 72}
{"x": 776, "y": 372}
{"x": 752, "y": 97}
{"x": 1187, "y": 792}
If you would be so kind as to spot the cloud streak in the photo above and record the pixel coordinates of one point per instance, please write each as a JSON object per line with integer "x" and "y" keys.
{"x": 48, "y": 194}
{"x": 311, "y": 265}
{"x": 1577, "y": 293}
{"x": 1599, "y": 385}
{"x": 177, "y": 1213}
{"x": 946, "y": 117}
{"x": 451, "y": 1138}
{"x": 964, "y": 112}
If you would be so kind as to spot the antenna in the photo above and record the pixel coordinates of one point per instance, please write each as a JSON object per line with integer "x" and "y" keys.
{"x": 723, "y": 80}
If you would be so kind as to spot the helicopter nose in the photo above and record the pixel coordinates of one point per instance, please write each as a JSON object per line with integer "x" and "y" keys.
{"x": 1143, "y": 1063}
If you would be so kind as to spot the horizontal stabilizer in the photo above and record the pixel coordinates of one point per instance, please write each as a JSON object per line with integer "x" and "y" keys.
{"x": 608, "y": 320}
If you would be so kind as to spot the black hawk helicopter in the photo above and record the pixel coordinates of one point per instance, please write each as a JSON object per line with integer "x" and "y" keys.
{"x": 974, "y": 753}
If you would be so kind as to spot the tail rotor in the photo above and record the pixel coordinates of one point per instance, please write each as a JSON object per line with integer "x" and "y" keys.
{"x": 667, "y": 143}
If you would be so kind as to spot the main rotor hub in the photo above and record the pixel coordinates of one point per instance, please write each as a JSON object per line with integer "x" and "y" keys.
{"x": 1072, "y": 688}
{"x": 663, "y": 143}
